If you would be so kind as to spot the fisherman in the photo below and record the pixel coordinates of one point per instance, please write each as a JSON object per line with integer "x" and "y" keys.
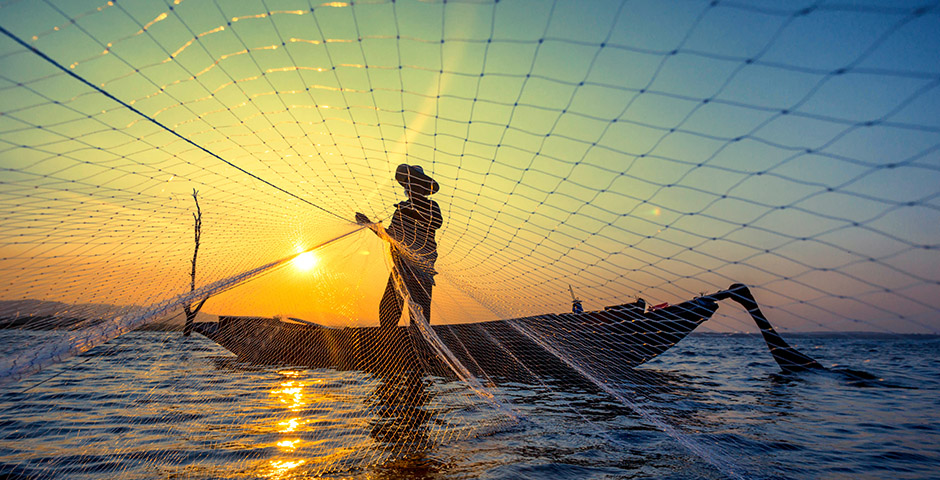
{"x": 414, "y": 250}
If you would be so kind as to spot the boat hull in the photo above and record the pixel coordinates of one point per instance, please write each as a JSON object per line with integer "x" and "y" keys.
{"x": 529, "y": 348}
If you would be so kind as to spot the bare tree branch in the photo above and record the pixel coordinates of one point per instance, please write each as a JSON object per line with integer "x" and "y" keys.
{"x": 188, "y": 309}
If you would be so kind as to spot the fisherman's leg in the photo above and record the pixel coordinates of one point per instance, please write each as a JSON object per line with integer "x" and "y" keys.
{"x": 391, "y": 304}
{"x": 424, "y": 300}
{"x": 420, "y": 292}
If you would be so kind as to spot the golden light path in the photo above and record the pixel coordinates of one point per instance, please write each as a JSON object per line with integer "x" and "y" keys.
{"x": 300, "y": 451}
{"x": 290, "y": 393}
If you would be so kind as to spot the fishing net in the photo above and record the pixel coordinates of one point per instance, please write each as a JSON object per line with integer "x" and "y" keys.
{"x": 158, "y": 155}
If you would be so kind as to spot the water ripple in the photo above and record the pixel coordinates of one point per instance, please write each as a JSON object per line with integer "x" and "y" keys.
{"x": 152, "y": 405}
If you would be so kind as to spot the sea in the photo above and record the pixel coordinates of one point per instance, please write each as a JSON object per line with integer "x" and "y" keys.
{"x": 155, "y": 405}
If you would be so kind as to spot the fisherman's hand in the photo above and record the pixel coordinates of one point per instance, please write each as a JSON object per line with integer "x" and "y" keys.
{"x": 361, "y": 219}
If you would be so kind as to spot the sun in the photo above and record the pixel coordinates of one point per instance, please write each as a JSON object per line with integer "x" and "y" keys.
{"x": 305, "y": 261}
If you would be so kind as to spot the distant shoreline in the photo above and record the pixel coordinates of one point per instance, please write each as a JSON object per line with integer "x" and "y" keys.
{"x": 50, "y": 323}
{"x": 849, "y": 334}
{"x": 175, "y": 324}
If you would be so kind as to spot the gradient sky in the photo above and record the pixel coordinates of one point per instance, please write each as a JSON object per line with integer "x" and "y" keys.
{"x": 650, "y": 148}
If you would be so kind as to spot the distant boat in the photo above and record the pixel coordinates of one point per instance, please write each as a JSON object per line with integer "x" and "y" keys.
{"x": 605, "y": 342}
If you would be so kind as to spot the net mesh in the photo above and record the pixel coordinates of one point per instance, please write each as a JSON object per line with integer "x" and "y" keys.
{"x": 594, "y": 153}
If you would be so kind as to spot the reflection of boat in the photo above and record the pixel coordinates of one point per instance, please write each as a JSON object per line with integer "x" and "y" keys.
{"x": 604, "y": 341}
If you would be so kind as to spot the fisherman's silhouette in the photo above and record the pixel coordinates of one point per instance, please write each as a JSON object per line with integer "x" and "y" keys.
{"x": 414, "y": 249}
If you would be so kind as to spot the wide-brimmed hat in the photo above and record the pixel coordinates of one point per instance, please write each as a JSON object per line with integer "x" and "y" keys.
{"x": 413, "y": 176}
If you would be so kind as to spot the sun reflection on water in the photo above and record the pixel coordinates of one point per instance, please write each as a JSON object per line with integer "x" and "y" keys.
{"x": 371, "y": 415}
{"x": 280, "y": 468}
{"x": 288, "y": 445}
{"x": 290, "y": 393}
{"x": 289, "y": 425}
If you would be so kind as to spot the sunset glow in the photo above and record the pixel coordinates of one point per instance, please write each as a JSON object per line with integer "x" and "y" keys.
{"x": 573, "y": 145}
{"x": 305, "y": 261}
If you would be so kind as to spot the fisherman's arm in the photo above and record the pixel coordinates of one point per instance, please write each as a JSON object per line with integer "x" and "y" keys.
{"x": 362, "y": 219}
{"x": 392, "y": 233}
{"x": 436, "y": 218}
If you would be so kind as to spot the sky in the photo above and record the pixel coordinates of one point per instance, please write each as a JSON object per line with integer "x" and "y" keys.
{"x": 638, "y": 148}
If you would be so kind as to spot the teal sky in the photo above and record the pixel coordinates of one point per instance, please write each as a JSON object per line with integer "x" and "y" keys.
{"x": 650, "y": 148}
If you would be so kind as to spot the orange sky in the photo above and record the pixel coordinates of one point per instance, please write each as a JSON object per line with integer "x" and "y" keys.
{"x": 573, "y": 146}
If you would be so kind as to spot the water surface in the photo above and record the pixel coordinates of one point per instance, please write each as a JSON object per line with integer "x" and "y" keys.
{"x": 156, "y": 405}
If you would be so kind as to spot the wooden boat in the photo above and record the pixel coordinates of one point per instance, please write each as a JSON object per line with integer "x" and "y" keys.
{"x": 602, "y": 342}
